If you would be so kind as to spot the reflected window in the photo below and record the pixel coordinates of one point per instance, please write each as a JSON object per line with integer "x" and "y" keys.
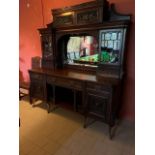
{"x": 110, "y": 45}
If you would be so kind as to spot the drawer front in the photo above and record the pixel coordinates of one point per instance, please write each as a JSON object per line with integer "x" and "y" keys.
{"x": 101, "y": 94}
{"x": 50, "y": 79}
{"x": 68, "y": 83}
{"x": 36, "y": 76}
{"x": 75, "y": 84}
{"x": 98, "y": 88}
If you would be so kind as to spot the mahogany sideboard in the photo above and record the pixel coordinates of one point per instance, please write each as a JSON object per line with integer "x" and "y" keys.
{"x": 94, "y": 79}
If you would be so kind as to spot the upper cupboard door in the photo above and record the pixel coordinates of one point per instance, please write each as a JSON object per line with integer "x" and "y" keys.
{"x": 111, "y": 45}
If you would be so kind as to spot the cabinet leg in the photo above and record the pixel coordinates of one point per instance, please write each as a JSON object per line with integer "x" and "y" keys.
{"x": 51, "y": 106}
{"x": 85, "y": 122}
{"x": 31, "y": 101}
{"x": 110, "y": 132}
{"x": 48, "y": 108}
{"x": 75, "y": 106}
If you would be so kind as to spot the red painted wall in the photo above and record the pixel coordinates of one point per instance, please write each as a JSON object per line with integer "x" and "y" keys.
{"x": 31, "y": 18}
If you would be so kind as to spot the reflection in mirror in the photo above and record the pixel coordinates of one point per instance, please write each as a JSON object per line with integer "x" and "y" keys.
{"x": 82, "y": 49}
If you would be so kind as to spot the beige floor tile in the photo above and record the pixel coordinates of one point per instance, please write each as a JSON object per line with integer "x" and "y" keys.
{"x": 86, "y": 151}
{"x": 52, "y": 147}
{"x": 128, "y": 150}
{"x": 21, "y": 153}
{"x": 114, "y": 151}
{"x": 67, "y": 143}
{"x": 38, "y": 151}
{"x": 27, "y": 147}
{"x": 63, "y": 151}
{"x": 76, "y": 147}
{"x": 40, "y": 140}
{"x": 63, "y": 139}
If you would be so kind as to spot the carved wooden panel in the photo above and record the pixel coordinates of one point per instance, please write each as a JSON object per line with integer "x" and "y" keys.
{"x": 37, "y": 85}
{"x": 97, "y": 105}
{"x": 49, "y": 64}
{"x": 63, "y": 20}
{"x": 47, "y": 49}
{"x": 90, "y": 16}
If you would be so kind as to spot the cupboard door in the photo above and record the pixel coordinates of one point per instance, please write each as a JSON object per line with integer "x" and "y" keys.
{"x": 37, "y": 85}
{"x": 97, "y": 106}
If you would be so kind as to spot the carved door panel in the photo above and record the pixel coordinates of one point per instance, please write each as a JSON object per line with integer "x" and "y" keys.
{"x": 97, "y": 105}
{"x": 37, "y": 90}
{"x": 47, "y": 47}
{"x": 37, "y": 85}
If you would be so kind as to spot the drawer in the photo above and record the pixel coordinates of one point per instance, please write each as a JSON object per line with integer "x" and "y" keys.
{"x": 101, "y": 94}
{"x": 36, "y": 76}
{"x": 50, "y": 80}
{"x": 76, "y": 84}
{"x": 68, "y": 83}
{"x": 98, "y": 87}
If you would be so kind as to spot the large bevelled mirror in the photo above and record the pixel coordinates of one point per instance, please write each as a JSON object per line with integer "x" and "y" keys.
{"x": 82, "y": 49}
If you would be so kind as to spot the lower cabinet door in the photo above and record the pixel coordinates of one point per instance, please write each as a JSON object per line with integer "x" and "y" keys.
{"x": 97, "y": 106}
{"x": 37, "y": 90}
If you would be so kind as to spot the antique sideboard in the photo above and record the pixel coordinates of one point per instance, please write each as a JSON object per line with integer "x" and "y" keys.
{"x": 95, "y": 81}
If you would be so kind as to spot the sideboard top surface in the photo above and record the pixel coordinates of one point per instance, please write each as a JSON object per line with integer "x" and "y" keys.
{"x": 71, "y": 74}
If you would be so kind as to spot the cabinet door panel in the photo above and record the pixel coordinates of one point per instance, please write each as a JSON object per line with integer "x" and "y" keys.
{"x": 37, "y": 90}
{"x": 97, "y": 106}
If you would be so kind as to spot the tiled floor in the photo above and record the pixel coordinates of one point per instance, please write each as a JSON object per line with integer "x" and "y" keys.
{"x": 61, "y": 133}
